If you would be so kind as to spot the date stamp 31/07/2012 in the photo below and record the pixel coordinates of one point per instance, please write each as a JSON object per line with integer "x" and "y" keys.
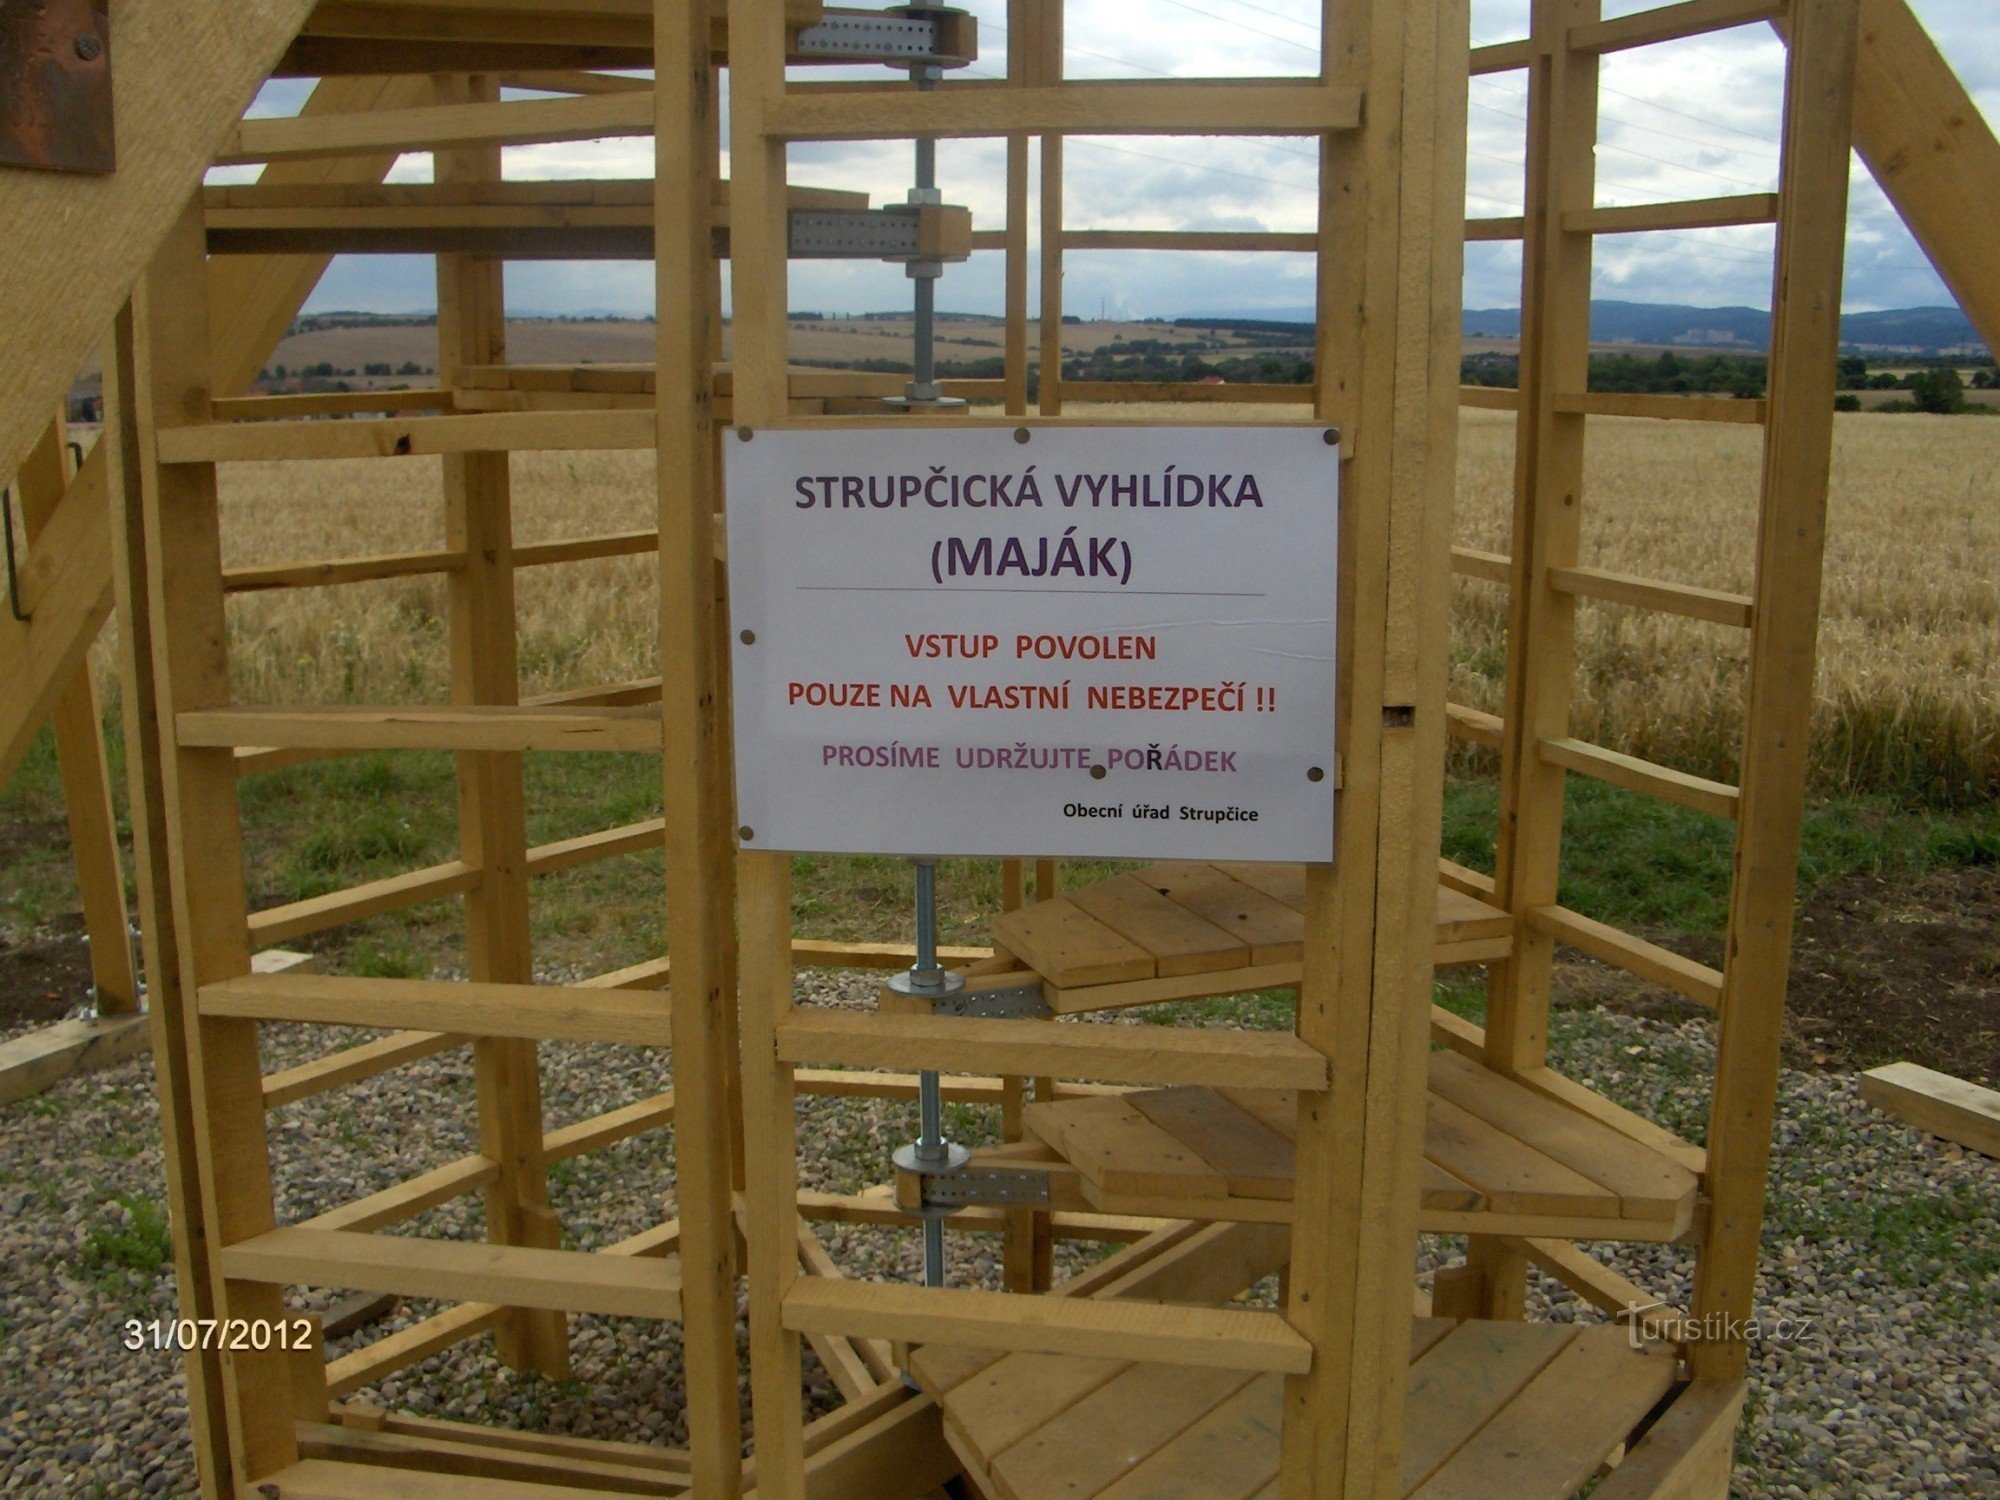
{"x": 231, "y": 1334}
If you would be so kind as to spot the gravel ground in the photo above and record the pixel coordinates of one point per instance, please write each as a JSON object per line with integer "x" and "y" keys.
{"x": 1882, "y": 1258}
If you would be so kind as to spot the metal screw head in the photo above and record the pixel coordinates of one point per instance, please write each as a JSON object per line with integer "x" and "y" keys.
{"x": 1097, "y": 773}
{"x": 1315, "y": 773}
{"x": 746, "y": 833}
{"x": 744, "y": 434}
{"x": 749, "y": 637}
{"x": 1331, "y": 437}
{"x": 89, "y": 48}
{"x": 1021, "y": 434}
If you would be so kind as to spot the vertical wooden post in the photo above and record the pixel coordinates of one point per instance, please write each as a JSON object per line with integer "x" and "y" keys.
{"x": 1387, "y": 358}
{"x": 201, "y": 828}
{"x": 694, "y": 790}
{"x": 1791, "y": 536}
{"x": 492, "y": 801}
{"x": 170, "y": 1008}
{"x": 1023, "y": 60}
{"x": 1050, "y": 65}
{"x": 79, "y": 729}
{"x": 1548, "y": 504}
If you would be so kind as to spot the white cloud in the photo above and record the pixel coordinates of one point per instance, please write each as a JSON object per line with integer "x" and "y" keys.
{"x": 1692, "y": 119}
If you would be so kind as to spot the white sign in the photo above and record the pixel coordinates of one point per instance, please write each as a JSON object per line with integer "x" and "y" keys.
{"x": 1113, "y": 642}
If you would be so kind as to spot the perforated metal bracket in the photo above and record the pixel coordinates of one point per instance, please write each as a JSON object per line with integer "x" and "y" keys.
{"x": 1015, "y": 1002}
{"x": 969, "y": 1186}
{"x": 907, "y": 232}
{"x": 55, "y": 86}
{"x": 939, "y": 38}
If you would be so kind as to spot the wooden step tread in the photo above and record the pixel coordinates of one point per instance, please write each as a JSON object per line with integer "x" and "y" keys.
{"x": 460, "y": 1271}
{"x": 1177, "y": 930}
{"x": 1518, "y": 1409}
{"x": 1492, "y": 1147}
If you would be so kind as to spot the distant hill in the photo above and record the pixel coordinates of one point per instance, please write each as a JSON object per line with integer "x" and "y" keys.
{"x": 1903, "y": 330}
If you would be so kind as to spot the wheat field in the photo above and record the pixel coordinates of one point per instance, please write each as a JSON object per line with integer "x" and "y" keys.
{"x": 1908, "y": 696}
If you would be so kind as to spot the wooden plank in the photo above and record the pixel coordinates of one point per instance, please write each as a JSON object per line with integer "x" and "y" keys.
{"x": 1093, "y": 997}
{"x": 352, "y": 1064}
{"x": 1516, "y": 1178}
{"x": 589, "y": 848}
{"x": 458, "y": 1271}
{"x": 1462, "y": 917}
{"x": 1188, "y": 239}
{"x": 1695, "y": 981}
{"x": 1647, "y": 1185}
{"x": 1651, "y": 593}
{"x": 1273, "y": 932}
{"x": 1122, "y": 1151}
{"x": 460, "y": 1454}
{"x": 41, "y": 1059}
{"x": 1000, "y": 1405}
{"x": 1933, "y": 152}
{"x": 327, "y": 404}
{"x": 1580, "y": 1408}
{"x": 384, "y": 1356}
{"x": 1229, "y": 1454}
{"x": 1938, "y": 1103}
{"x": 1254, "y": 1161}
{"x": 1667, "y": 23}
{"x": 1693, "y": 213}
{"x": 437, "y": 126}
{"x": 551, "y": 1012}
{"x": 1068, "y": 946}
{"x": 1179, "y": 941}
{"x": 1285, "y": 884}
{"x": 313, "y": 575}
{"x": 609, "y": 1128}
{"x": 296, "y": 919}
{"x": 1111, "y": 1054}
{"x": 329, "y": 1479}
{"x": 1736, "y": 409}
{"x": 1122, "y": 107}
{"x": 1605, "y": 1289}
{"x": 1475, "y": 726}
{"x": 1223, "y": 1338}
{"x": 1112, "y": 1428}
{"x": 1463, "y": 1380}
{"x": 1493, "y": 567}
{"x": 1636, "y": 775}
{"x": 408, "y": 436}
{"x": 405, "y": 1200}
{"x": 472, "y": 727}
{"x": 1687, "y": 1454}
{"x": 78, "y": 243}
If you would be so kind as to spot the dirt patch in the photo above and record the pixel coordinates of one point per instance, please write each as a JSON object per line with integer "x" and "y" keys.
{"x": 44, "y": 978}
{"x": 1882, "y": 970}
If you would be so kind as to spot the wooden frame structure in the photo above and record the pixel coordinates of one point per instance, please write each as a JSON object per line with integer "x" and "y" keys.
{"x": 1308, "y": 1399}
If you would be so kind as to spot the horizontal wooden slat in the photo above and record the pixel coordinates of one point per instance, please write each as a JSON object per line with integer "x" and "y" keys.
{"x": 1217, "y": 1338}
{"x": 457, "y": 728}
{"x": 405, "y": 1200}
{"x": 1953, "y": 1108}
{"x": 279, "y": 924}
{"x": 1502, "y": 57}
{"x": 1457, "y": 877}
{"x": 384, "y": 1356}
{"x": 352, "y": 1064}
{"x": 1636, "y": 775}
{"x": 1489, "y": 397}
{"x": 1491, "y": 567}
{"x": 1187, "y": 239}
{"x": 1474, "y": 725}
{"x": 461, "y": 1456}
{"x": 1183, "y": 391}
{"x": 458, "y": 1271}
{"x": 1604, "y": 1288}
{"x": 1185, "y": 107}
{"x": 1697, "y": 982}
{"x": 826, "y": 953}
{"x": 588, "y": 848}
{"x": 1734, "y": 409}
{"x": 1689, "y": 213}
{"x": 327, "y": 404}
{"x": 1112, "y": 1054}
{"x": 1500, "y": 228}
{"x": 312, "y": 575}
{"x": 406, "y": 437}
{"x": 1667, "y": 23}
{"x": 569, "y": 1013}
{"x": 1651, "y": 593}
{"x": 587, "y": 548}
{"x": 607, "y": 1129}
{"x": 430, "y": 127}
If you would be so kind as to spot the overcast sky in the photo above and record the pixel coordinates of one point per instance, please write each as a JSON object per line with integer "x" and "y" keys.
{"x": 1691, "y": 119}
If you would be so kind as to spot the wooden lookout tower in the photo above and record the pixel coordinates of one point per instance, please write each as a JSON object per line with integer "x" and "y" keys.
{"x": 1252, "y": 1328}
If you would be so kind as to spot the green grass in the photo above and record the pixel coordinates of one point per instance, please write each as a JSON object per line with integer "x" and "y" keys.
{"x": 316, "y": 828}
{"x": 127, "y": 1258}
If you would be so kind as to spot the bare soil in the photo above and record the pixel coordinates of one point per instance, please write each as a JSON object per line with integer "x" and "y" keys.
{"x": 44, "y": 978}
{"x": 1882, "y": 971}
